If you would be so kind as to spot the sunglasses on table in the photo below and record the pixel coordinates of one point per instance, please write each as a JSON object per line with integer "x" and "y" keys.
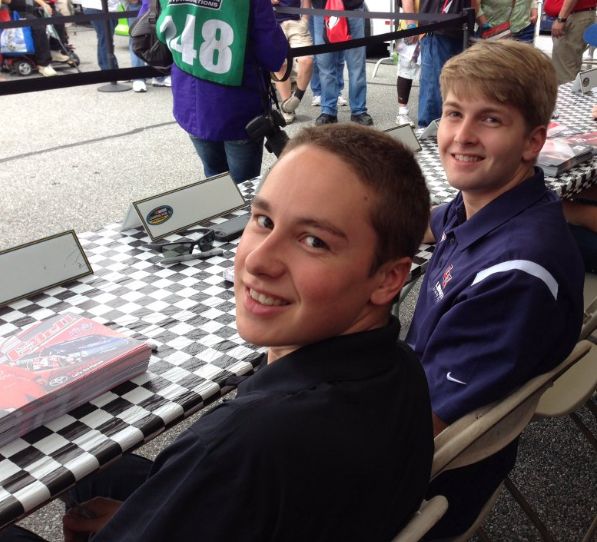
{"x": 182, "y": 248}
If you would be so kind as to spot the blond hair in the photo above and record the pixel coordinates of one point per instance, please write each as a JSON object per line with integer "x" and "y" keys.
{"x": 507, "y": 71}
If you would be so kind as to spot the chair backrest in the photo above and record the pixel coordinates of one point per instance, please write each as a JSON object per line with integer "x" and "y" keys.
{"x": 426, "y": 517}
{"x": 590, "y": 319}
{"x": 485, "y": 431}
{"x": 572, "y": 389}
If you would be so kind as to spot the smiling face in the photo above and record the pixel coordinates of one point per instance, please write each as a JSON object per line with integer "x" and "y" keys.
{"x": 303, "y": 265}
{"x": 485, "y": 147}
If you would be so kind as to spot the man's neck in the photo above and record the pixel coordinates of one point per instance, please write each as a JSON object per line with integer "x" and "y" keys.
{"x": 475, "y": 201}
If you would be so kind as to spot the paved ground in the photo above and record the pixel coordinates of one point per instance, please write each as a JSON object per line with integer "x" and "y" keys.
{"x": 75, "y": 158}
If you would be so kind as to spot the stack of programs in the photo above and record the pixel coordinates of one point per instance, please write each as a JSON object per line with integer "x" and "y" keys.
{"x": 59, "y": 364}
{"x": 559, "y": 154}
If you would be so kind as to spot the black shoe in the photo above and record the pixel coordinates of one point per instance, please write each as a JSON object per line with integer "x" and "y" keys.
{"x": 324, "y": 118}
{"x": 364, "y": 119}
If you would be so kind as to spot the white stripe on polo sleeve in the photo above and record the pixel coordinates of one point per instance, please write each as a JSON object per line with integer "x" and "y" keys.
{"x": 526, "y": 266}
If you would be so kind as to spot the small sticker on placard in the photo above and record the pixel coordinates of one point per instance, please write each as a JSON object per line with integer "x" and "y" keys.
{"x": 184, "y": 207}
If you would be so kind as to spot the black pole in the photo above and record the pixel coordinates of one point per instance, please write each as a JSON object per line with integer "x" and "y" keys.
{"x": 113, "y": 86}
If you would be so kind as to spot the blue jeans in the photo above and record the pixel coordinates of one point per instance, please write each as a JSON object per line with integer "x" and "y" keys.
{"x": 355, "y": 62}
{"x": 136, "y": 62}
{"x": 527, "y": 34}
{"x": 435, "y": 52}
{"x": 315, "y": 82}
{"x": 242, "y": 158}
{"x": 104, "y": 60}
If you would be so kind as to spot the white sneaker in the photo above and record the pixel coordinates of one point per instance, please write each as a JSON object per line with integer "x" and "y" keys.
{"x": 162, "y": 81}
{"x": 288, "y": 117}
{"x": 139, "y": 85}
{"x": 342, "y": 100}
{"x": 57, "y": 56}
{"x": 290, "y": 105}
{"x": 47, "y": 71}
{"x": 316, "y": 101}
{"x": 402, "y": 119}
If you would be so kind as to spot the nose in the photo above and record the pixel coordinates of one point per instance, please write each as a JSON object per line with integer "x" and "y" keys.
{"x": 465, "y": 132}
{"x": 265, "y": 256}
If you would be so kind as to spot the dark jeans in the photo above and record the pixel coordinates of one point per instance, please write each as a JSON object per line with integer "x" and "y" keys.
{"x": 105, "y": 60}
{"x": 40, "y": 40}
{"x": 241, "y": 158}
{"x": 435, "y": 52}
{"x": 117, "y": 481}
{"x": 467, "y": 490}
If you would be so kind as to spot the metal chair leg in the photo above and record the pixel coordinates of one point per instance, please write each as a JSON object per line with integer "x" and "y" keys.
{"x": 529, "y": 511}
{"x": 584, "y": 429}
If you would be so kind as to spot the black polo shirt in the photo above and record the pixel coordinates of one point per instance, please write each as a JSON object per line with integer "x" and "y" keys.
{"x": 331, "y": 442}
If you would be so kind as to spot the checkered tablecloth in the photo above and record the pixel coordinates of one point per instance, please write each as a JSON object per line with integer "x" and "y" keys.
{"x": 186, "y": 309}
{"x": 574, "y": 113}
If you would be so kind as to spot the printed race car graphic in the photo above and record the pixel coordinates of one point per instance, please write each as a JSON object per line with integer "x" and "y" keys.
{"x": 60, "y": 363}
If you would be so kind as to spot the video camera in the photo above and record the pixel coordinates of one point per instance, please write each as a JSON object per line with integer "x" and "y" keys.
{"x": 269, "y": 126}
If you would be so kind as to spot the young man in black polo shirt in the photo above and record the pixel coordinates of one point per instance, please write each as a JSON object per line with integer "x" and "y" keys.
{"x": 331, "y": 439}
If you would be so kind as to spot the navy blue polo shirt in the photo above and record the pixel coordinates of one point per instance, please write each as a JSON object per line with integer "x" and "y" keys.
{"x": 333, "y": 441}
{"x": 501, "y": 300}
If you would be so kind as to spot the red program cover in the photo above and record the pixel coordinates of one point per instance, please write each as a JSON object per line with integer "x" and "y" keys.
{"x": 56, "y": 354}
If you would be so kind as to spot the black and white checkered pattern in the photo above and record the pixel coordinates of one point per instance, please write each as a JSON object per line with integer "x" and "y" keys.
{"x": 574, "y": 113}
{"x": 187, "y": 310}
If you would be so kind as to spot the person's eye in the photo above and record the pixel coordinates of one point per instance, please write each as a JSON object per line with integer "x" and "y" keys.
{"x": 494, "y": 121}
{"x": 264, "y": 221}
{"x": 451, "y": 114}
{"x": 315, "y": 242}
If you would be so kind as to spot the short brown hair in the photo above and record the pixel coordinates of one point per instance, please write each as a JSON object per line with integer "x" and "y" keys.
{"x": 509, "y": 72}
{"x": 401, "y": 213}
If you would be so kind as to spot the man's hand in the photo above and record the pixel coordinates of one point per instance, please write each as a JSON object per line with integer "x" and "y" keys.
{"x": 594, "y": 112}
{"x": 534, "y": 16}
{"x": 275, "y": 2}
{"x": 557, "y": 29}
{"x": 90, "y": 517}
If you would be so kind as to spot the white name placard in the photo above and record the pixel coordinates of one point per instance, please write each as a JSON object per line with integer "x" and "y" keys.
{"x": 406, "y": 135}
{"x": 585, "y": 81}
{"x": 184, "y": 207}
{"x": 36, "y": 266}
{"x": 431, "y": 130}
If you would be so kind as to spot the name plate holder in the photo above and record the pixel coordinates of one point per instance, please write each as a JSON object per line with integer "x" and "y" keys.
{"x": 183, "y": 207}
{"x": 431, "y": 130}
{"x": 585, "y": 81}
{"x": 406, "y": 135}
{"x": 42, "y": 264}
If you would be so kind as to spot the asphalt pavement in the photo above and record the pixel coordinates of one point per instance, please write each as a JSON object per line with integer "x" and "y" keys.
{"x": 75, "y": 158}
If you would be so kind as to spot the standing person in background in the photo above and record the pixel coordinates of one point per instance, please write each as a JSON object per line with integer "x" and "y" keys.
{"x": 522, "y": 15}
{"x": 436, "y": 49}
{"x": 220, "y": 81}
{"x": 136, "y": 62}
{"x": 573, "y": 17}
{"x": 316, "y": 83}
{"x": 296, "y": 30}
{"x": 409, "y": 51}
{"x": 105, "y": 60}
{"x": 355, "y": 62}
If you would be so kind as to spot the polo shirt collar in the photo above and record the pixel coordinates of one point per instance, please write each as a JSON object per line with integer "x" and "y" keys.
{"x": 354, "y": 357}
{"x": 497, "y": 212}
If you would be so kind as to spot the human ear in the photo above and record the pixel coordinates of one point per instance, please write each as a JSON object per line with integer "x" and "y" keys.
{"x": 391, "y": 276}
{"x": 534, "y": 144}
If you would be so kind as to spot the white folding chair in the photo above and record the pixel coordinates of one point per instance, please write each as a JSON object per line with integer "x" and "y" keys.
{"x": 426, "y": 517}
{"x": 487, "y": 430}
{"x": 569, "y": 392}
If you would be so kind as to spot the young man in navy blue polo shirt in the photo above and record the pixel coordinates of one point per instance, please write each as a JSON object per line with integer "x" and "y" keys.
{"x": 332, "y": 438}
{"x": 501, "y": 301}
